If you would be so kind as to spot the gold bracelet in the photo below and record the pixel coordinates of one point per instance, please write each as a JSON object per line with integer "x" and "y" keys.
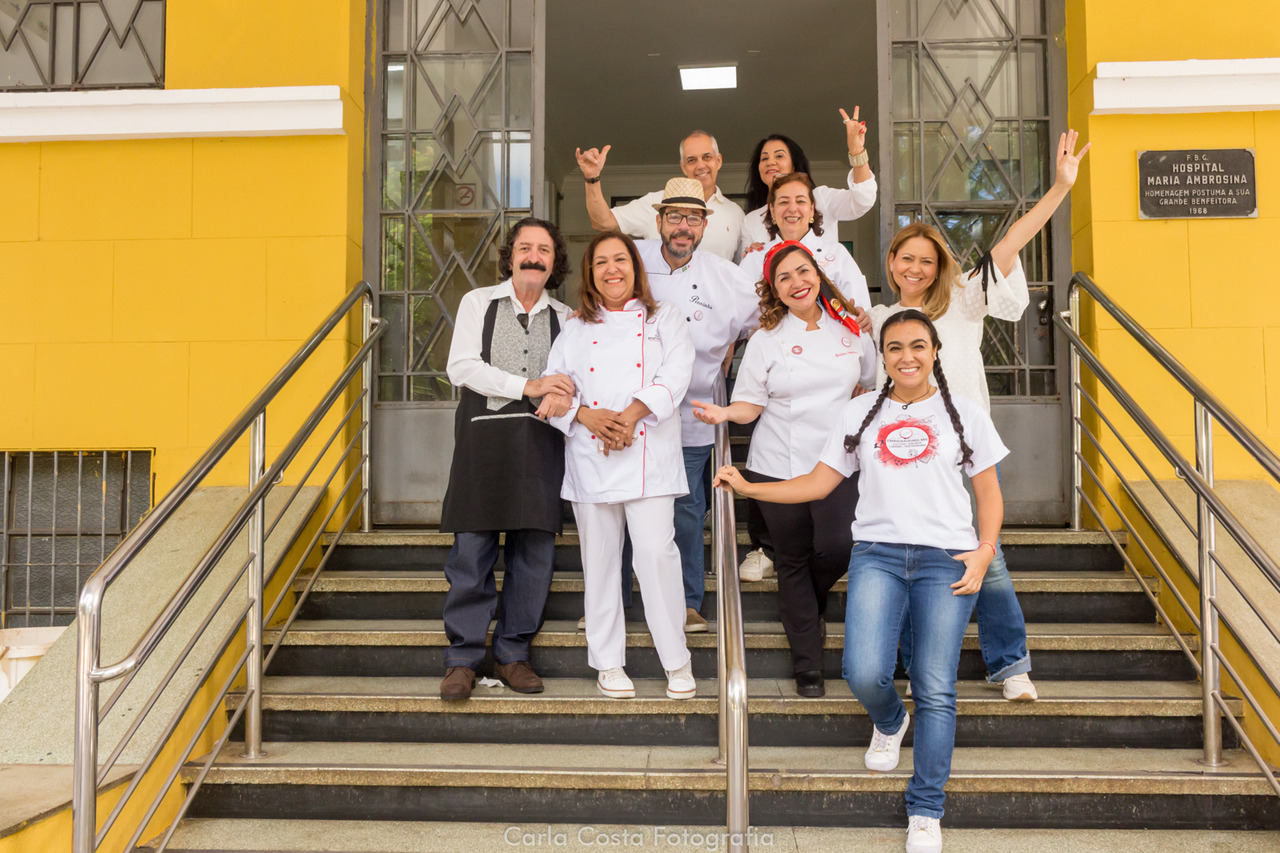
{"x": 862, "y": 158}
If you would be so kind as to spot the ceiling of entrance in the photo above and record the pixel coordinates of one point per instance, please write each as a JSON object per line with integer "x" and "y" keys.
{"x": 613, "y": 76}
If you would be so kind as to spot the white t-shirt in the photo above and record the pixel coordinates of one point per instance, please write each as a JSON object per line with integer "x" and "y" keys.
{"x": 719, "y": 307}
{"x": 720, "y": 237}
{"x": 910, "y": 490}
{"x": 802, "y": 378}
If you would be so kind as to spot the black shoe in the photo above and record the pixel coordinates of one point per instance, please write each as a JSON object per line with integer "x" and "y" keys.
{"x": 810, "y": 683}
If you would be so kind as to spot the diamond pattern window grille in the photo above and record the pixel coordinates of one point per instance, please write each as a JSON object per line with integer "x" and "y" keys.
{"x": 81, "y": 44}
{"x": 457, "y": 125}
{"x": 971, "y": 151}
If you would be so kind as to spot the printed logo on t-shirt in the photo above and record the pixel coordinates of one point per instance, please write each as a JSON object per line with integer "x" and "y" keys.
{"x": 906, "y": 441}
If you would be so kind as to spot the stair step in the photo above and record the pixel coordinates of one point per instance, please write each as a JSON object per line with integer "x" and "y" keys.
{"x": 1164, "y": 715}
{"x": 1009, "y": 536}
{"x": 1123, "y": 788}
{"x": 757, "y": 635}
{"x": 433, "y": 580}
{"x": 357, "y": 836}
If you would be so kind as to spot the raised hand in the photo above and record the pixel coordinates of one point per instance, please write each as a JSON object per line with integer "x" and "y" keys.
{"x": 1068, "y": 162}
{"x": 591, "y": 161}
{"x": 855, "y": 131}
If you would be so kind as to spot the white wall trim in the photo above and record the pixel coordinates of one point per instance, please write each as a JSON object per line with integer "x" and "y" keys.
{"x": 1187, "y": 86}
{"x": 170, "y": 113}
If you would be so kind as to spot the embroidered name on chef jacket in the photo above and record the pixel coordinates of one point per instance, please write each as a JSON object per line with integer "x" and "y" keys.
{"x": 907, "y": 441}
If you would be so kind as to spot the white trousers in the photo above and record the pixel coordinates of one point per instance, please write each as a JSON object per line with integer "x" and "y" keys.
{"x": 656, "y": 563}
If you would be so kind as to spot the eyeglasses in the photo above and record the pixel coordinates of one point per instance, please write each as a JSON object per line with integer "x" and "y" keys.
{"x": 673, "y": 217}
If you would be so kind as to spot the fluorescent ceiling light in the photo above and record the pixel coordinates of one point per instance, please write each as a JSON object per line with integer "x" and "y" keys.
{"x": 714, "y": 77}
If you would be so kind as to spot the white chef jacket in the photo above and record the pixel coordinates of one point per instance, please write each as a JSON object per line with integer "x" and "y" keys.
{"x": 833, "y": 258}
{"x": 803, "y": 379}
{"x": 720, "y": 237}
{"x": 465, "y": 367}
{"x": 626, "y": 356}
{"x": 835, "y": 205}
{"x": 719, "y": 305}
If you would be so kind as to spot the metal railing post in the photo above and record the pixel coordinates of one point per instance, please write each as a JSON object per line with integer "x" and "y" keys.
{"x": 1206, "y": 530}
{"x": 366, "y": 410}
{"x": 84, "y": 791}
{"x": 1077, "y": 477}
{"x": 254, "y": 630}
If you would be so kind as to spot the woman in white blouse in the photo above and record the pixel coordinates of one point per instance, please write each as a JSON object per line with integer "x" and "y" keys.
{"x": 777, "y": 155}
{"x": 799, "y": 370}
{"x": 630, "y": 360}
{"x": 924, "y": 274}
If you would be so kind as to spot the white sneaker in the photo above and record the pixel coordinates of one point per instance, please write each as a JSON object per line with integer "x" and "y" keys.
{"x": 882, "y": 755}
{"x": 756, "y": 566}
{"x": 1018, "y": 688}
{"x": 924, "y": 834}
{"x": 680, "y": 683}
{"x": 582, "y": 624}
{"x": 615, "y": 684}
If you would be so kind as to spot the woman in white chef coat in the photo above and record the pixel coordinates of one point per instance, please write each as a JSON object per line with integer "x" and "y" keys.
{"x": 792, "y": 214}
{"x": 630, "y": 360}
{"x": 797, "y": 374}
{"x": 777, "y": 155}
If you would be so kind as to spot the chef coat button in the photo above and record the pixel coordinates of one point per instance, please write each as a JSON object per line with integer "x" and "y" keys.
{"x": 593, "y": 437}
{"x": 637, "y": 364}
{"x": 639, "y": 334}
{"x": 642, "y": 432}
{"x": 595, "y": 342}
{"x": 593, "y": 370}
{"x": 695, "y": 287}
{"x": 688, "y": 319}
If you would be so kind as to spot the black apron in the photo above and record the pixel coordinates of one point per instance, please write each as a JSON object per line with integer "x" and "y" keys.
{"x": 508, "y": 465}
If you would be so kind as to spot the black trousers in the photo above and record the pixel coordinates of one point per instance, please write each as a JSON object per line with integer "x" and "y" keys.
{"x": 811, "y": 544}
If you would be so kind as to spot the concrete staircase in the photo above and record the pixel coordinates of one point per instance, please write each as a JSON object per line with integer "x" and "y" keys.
{"x": 361, "y": 748}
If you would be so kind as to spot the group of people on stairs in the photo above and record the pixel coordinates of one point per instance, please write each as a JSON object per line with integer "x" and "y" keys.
{"x": 867, "y": 457}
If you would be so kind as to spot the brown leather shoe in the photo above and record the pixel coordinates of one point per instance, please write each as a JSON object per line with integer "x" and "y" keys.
{"x": 457, "y": 683}
{"x": 519, "y": 676}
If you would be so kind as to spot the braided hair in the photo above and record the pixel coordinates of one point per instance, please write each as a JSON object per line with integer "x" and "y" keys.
{"x": 909, "y": 315}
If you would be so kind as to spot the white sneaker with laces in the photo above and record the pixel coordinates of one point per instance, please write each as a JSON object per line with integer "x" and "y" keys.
{"x": 882, "y": 755}
{"x": 615, "y": 684}
{"x": 924, "y": 834}
{"x": 1018, "y": 688}
{"x": 680, "y": 683}
{"x": 756, "y": 566}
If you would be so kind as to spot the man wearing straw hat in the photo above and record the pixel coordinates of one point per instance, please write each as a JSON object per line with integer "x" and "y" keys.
{"x": 720, "y": 307}
{"x": 700, "y": 160}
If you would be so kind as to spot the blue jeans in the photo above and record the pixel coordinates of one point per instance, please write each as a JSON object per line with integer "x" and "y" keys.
{"x": 887, "y": 581}
{"x": 1002, "y": 629}
{"x": 472, "y": 599}
{"x": 690, "y": 511}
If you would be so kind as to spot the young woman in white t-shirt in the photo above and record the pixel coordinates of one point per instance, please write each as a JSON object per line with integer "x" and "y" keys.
{"x": 922, "y": 271}
{"x": 806, "y": 361}
{"x": 915, "y": 550}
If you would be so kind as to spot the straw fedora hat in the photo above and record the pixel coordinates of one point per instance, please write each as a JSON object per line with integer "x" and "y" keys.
{"x": 683, "y": 192}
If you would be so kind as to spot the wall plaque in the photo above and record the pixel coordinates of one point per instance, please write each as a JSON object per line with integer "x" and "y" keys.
{"x": 1204, "y": 184}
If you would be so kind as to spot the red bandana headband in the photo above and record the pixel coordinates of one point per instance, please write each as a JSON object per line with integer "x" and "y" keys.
{"x": 829, "y": 303}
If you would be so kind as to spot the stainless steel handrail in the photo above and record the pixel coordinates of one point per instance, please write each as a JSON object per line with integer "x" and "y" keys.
{"x": 249, "y": 517}
{"x": 731, "y": 647}
{"x": 1212, "y": 512}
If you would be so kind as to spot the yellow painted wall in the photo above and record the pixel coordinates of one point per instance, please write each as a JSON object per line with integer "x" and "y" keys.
{"x": 152, "y": 286}
{"x": 1205, "y": 289}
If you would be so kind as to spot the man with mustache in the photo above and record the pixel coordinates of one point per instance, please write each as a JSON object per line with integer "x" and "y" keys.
{"x": 507, "y": 463}
{"x": 720, "y": 307}
{"x": 700, "y": 160}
